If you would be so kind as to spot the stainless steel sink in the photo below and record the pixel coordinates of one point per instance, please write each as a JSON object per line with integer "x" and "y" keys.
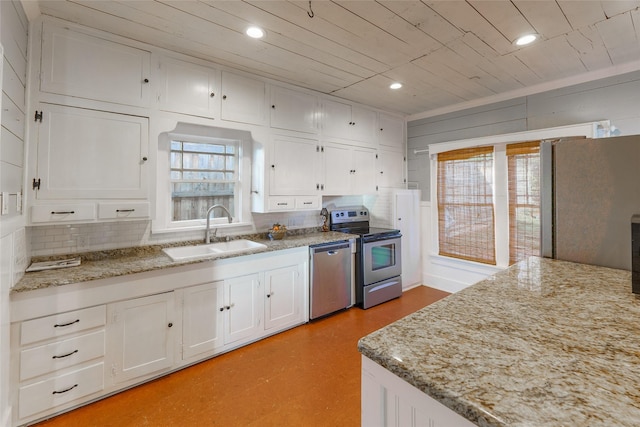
{"x": 182, "y": 253}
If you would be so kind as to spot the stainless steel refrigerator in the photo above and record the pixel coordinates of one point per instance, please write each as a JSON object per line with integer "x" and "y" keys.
{"x": 590, "y": 191}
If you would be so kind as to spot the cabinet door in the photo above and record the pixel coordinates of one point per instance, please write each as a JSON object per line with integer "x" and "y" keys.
{"x": 294, "y": 167}
{"x": 391, "y": 169}
{"x": 363, "y": 179}
{"x": 243, "y": 99}
{"x": 293, "y": 110}
{"x": 363, "y": 127}
{"x": 187, "y": 88}
{"x": 336, "y": 119}
{"x": 338, "y": 169}
{"x": 391, "y": 131}
{"x": 87, "y": 154}
{"x": 242, "y": 312}
{"x": 141, "y": 336}
{"x": 283, "y": 293}
{"x": 202, "y": 319}
{"x": 102, "y": 70}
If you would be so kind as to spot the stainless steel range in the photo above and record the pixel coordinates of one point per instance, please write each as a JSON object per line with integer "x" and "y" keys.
{"x": 378, "y": 257}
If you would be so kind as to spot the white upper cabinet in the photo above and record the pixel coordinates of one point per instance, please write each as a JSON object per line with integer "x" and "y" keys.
{"x": 295, "y": 166}
{"x": 85, "y": 66}
{"x": 243, "y": 99}
{"x": 293, "y": 110}
{"x": 188, "y": 88}
{"x": 392, "y": 131}
{"x": 87, "y": 154}
{"x": 340, "y": 120}
{"x": 391, "y": 169}
{"x": 349, "y": 170}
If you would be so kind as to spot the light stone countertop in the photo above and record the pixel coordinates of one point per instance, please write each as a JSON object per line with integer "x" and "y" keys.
{"x": 542, "y": 343}
{"x": 119, "y": 262}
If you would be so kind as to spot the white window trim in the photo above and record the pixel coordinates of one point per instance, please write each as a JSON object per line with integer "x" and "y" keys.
{"x": 500, "y": 179}
{"x": 162, "y": 222}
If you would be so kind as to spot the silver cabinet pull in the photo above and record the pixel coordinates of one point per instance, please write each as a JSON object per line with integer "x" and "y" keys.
{"x": 62, "y": 212}
{"x": 125, "y": 210}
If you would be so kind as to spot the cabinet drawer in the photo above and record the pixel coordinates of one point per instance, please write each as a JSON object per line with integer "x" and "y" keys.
{"x": 62, "y": 324}
{"x": 48, "y": 358}
{"x": 123, "y": 210}
{"x": 281, "y": 203}
{"x": 60, "y": 213}
{"x": 53, "y": 392}
{"x": 312, "y": 202}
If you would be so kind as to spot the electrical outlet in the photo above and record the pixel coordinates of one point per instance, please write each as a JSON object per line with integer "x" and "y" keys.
{"x": 19, "y": 202}
{"x": 5, "y": 203}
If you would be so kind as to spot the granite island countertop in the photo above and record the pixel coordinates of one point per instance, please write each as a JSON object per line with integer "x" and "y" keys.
{"x": 542, "y": 343}
{"x": 120, "y": 262}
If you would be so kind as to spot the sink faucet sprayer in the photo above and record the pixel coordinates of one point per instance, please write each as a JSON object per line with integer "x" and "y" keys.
{"x": 207, "y": 232}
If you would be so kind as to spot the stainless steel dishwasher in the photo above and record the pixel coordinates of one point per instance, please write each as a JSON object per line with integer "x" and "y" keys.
{"x": 330, "y": 278}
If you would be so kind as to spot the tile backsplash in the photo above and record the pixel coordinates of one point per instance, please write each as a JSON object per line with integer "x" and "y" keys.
{"x": 76, "y": 238}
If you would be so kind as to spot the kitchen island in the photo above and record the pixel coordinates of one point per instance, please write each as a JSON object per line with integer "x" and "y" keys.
{"x": 542, "y": 343}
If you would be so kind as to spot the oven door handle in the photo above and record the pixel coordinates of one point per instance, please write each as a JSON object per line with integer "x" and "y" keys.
{"x": 380, "y": 238}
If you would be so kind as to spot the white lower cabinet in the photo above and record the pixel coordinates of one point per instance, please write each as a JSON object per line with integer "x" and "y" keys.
{"x": 202, "y": 318}
{"x": 140, "y": 336}
{"x": 143, "y": 326}
{"x": 242, "y": 313}
{"x": 282, "y": 297}
{"x": 228, "y": 313}
{"x": 59, "y": 361}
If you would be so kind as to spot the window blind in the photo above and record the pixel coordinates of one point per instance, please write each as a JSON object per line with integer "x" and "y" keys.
{"x": 465, "y": 204}
{"x": 523, "y": 160}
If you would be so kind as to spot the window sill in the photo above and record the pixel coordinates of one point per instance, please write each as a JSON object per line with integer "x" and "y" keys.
{"x": 227, "y": 229}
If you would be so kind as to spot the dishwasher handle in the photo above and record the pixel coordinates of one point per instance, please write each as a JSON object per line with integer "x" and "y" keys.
{"x": 331, "y": 248}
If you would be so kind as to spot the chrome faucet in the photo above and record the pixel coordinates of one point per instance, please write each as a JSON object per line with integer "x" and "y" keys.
{"x": 207, "y": 231}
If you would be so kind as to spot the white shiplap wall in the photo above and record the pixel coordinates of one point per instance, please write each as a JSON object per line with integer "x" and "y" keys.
{"x": 13, "y": 41}
{"x": 613, "y": 98}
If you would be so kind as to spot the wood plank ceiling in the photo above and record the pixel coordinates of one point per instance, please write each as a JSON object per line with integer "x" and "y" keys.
{"x": 445, "y": 53}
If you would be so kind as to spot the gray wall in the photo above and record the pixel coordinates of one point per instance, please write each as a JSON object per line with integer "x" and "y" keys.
{"x": 614, "y": 98}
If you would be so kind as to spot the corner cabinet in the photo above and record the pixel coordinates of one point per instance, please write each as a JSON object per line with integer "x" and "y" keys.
{"x": 85, "y": 155}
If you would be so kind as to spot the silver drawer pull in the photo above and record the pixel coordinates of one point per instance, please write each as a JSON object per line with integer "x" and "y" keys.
{"x": 125, "y": 210}
{"x": 65, "y": 355}
{"x": 307, "y": 203}
{"x": 283, "y": 204}
{"x": 62, "y": 212}
{"x": 66, "y": 324}
{"x": 66, "y": 390}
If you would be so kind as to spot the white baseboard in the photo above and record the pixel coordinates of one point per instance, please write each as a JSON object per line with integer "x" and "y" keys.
{"x": 453, "y": 275}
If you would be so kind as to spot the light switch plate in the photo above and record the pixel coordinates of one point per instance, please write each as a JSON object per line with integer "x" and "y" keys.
{"x": 5, "y": 203}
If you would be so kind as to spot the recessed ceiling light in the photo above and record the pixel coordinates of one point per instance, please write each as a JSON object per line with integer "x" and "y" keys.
{"x": 255, "y": 32}
{"x": 526, "y": 39}
{"x": 395, "y": 85}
